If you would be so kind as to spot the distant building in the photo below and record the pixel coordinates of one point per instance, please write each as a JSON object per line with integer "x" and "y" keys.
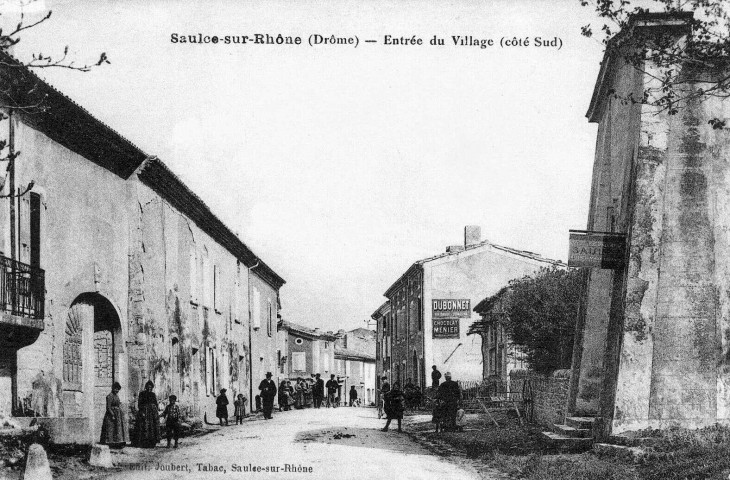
{"x": 381, "y": 316}
{"x": 355, "y": 363}
{"x": 308, "y": 351}
{"x": 499, "y": 355}
{"x": 431, "y": 307}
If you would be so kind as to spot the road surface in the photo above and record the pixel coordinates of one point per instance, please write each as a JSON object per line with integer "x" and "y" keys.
{"x": 300, "y": 444}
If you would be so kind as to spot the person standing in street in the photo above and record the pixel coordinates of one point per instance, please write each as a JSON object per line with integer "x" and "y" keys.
{"x": 384, "y": 388}
{"x": 394, "y": 406}
{"x": 318, "y": 391}
{"x": 113, "y": 429}
{"x": 148, "y": 420}
{"x": 450, "y": 394}
{"x": 268, "y": 393}
{"x": 332, "y": 387}
{"x": 172, "y": 420}
{"x": 239, "y": 408}
{"x": 221, "y": 410}
{"x": 435, "y": 377}
{"x": 353, "y": 395}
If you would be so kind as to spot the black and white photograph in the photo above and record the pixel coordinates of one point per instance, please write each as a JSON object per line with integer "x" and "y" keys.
{"x": 365, "y": 239}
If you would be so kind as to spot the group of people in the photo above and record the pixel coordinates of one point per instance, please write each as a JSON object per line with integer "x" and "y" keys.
{"x": 447, "y": 397}
{"x": 309, "y": 392}
{"x": 114, "y": 429}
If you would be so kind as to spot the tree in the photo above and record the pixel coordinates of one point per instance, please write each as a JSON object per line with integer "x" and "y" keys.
{"x": 693, "y": 49}
{"x": 538, "y": 314}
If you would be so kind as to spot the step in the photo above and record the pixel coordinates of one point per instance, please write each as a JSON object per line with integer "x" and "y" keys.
{"x": 572, "y": 432}
{"x": 567, "y": 444}
{"x": 633, "y": 454}
{"x": 580, "y": 422}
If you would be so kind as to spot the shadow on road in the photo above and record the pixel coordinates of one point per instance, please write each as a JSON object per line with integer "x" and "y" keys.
{"x": 360, "y": 437}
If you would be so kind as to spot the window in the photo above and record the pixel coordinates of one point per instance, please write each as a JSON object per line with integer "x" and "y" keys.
{"x": 299, "y": 361}
{"x": 209, "y": 371}
{"x": 326, "y": 363}
{"x": 419, "y": 313}
{"x": 194, "y": 276}
{"x": 298, "y": 341}
{"x": 216, "y": 288}
{"x": 175, "y": 355}
{"x": 256, "y": 308}
{"x": 207, "y": 282}
{"x": 35, "y": 230}
{"x": 237, "y": 295}
{"x": 270, "y": 323}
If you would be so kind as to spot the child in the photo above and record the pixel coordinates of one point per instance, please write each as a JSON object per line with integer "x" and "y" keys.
{"x": 240, "y": 408}
{"x": 460, "y": 419}
{"x": 172, "y": 420}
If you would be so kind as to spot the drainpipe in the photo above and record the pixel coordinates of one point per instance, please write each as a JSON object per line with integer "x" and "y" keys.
{"x": 250, "y": 343}
{"x": 11, "y": 187}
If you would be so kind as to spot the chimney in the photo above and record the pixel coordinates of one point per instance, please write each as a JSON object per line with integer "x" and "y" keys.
{"x": 454, "y": 248}
{"x": 472, "y": 235}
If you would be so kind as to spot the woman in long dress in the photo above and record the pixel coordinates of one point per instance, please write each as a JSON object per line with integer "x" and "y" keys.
{"x": 300, "y": 394}
{"x": 394, "y": 406}
{"x": 113, "y": 429}
{"x": 148, "y": 420}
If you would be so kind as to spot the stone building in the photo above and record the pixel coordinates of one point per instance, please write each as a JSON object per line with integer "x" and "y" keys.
{"x": 308, "y": 351}
{"x": 381, "y": 317}
{"x": 653, "y": 346}
{"x": 499, "y": 356}
{"x": 431, "y": 307}
{"x": 113, "y": 270}
{"x": 355, "y": 363}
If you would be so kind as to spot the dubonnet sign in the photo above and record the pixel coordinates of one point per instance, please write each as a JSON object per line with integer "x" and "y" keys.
{"x": 451, "y": 308}
{"x": 596, "y": 249}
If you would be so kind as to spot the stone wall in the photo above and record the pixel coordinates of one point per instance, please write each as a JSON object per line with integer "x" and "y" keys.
{"x": 549, "y": 394}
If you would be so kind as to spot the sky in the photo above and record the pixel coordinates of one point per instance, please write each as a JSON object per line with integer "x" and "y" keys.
{"x": 341, "y": 165}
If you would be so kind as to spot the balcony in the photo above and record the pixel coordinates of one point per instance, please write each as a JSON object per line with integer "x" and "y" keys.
{"x": 22, "y": 300}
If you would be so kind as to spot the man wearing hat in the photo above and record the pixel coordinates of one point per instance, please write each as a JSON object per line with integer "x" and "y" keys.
{"x": 221, "y": 410}
{"x": 268, "y": 393}
{"x": 384, "y": 388}
{"x": 450, "y": 393}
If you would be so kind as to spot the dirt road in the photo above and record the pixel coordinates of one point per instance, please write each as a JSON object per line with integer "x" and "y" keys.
{"x": 302, "y": 444}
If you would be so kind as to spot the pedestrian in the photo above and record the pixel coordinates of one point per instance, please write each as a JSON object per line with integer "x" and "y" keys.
{"x": 113, "y": 429}
{"x": 384, "y": 388}
{"x": 290, "y": 395}
{"x": 409, "y": 394}
{"x": 148, "y": 420}
{"x": 332, "y": 387}
{"x": 450, "y": 393}
{"x": 353, "y": 395}
{"x": 435, "y": 377}
{"x": 282, "y": 396}
{"x": 394, "y": 406}
{"x": 240, "y": 408}
{"x": 172, "y": 420}
{"x": 318, "y": 391}
{"x": 221, "y": 409}
{"x": 300, "y": 388}
{"x": 268, "y": 393}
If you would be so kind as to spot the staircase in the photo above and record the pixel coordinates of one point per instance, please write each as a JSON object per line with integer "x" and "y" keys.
{"x": 575, "y": 434}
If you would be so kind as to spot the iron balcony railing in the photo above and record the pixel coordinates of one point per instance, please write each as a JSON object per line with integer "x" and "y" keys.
{"x": 22, "y": 289}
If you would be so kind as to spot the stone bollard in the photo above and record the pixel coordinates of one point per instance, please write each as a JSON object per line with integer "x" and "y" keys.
{"x": 36, "y": 465}
{"x": 101, "y": 456}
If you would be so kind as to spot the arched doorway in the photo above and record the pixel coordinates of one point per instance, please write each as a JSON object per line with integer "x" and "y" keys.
{"x": 92, "y": 358}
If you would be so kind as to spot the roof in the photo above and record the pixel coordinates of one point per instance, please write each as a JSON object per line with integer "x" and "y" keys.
{"x": 483, "y": 308}
{"x": 155, "y": 174}
{"x": 347, "y": 354}
{"x": 380, "y": 311}
{"x": 485, "y": 305}
{"x": 363, "y": 332}
{"x": 64, "y": 121}
{"x": 608, "y": 64}
{"x": 292, "y": 327}
{"x": 418, "y": 265}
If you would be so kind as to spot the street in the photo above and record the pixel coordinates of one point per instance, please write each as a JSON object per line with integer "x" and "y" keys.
{"x": 325, "y": 443}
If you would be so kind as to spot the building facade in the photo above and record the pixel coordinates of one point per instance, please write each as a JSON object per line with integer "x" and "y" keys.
{"x": 355, "y": 364}
{"x": 499, "y": 355}
{"x": 113, "y": 270}
{"x": 308, "y": 351}
{"x": 431, "y": 307}
{"x": 652, "y": 345}
{"x": 381, "y": 317}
